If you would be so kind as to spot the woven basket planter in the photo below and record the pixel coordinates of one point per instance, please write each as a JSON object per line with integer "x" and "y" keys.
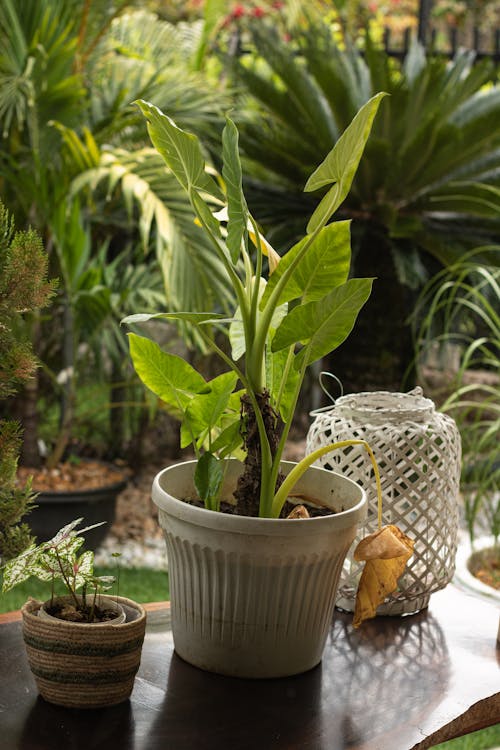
{"x": 80, "y": 665}
{"x": 418, "y": 452}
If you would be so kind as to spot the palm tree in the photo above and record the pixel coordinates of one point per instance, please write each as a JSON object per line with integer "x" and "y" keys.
{"x": 428, "y": 187}
{"x": 69, "y": 73}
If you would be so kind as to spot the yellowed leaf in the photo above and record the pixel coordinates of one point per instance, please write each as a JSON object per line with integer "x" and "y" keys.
{"x": 386, "y": 553}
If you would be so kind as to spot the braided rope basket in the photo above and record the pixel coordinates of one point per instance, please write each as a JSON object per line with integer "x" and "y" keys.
{"x": 80, "y": 665}
{"x": 418, "y": 453}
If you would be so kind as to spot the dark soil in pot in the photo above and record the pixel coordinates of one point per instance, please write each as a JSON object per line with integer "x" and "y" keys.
{"x": 69, "y": 613}
{"x": 485, "y": 566}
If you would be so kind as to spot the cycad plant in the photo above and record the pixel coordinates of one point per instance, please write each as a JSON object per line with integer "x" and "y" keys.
{"x": 427, "y": 190}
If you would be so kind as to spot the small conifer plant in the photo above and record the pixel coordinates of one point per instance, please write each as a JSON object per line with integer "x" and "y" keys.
{"x": 23, "y": 290}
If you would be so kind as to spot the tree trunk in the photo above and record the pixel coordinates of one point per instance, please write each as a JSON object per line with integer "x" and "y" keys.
{"x": 28, "y": 401}
{"x": 30, "y": 455}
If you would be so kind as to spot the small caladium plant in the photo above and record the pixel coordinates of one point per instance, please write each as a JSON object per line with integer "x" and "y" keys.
{"x": 291, "y": 311}
{"x": 59, "y": 559}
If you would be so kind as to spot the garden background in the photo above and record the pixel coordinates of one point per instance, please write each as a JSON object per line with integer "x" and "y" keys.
{"x": 77, "y": 166}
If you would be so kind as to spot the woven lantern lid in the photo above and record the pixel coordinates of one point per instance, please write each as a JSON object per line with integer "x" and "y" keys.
{"x": 384, "y": 406}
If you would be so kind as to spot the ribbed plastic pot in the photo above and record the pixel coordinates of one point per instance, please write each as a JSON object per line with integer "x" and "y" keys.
{"x": 254, "y": 597}
{"x": 81, "y": 665}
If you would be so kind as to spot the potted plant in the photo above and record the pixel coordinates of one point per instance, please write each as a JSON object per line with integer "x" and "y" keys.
{"x": 83, "y": 649}
{"x": 253, "y": 588}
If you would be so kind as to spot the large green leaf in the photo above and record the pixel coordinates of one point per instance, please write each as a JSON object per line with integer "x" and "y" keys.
{"x": 236, "y": 330}
{"x": 323, "y": 325}
{"x": 325, "y": 265}
{"x": 208, "y": 478}
{"x": 236, "y": 204}
{"x": 205, "y": 409}
{"x": 180, "y": 150}
{"x": 341, "y": 164}
{"x": 189, "y": 317}
{"x": 168, "y": 376}
{"x": 280, "y": 382}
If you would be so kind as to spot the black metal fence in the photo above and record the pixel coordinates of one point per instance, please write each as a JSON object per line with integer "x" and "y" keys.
{"x": 445, "y": 41}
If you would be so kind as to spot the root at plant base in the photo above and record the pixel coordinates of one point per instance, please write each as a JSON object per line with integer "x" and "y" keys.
{"x": 247, "y": 493}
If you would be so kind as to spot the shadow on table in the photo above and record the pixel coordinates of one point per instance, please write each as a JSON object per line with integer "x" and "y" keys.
{"x": 387, "y": 672}
{"x": 204, "y": 710}
{"x": 372, "y": 681}
{"x": 55, "y": 727}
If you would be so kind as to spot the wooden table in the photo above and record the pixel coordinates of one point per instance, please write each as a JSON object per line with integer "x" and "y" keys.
{"x": 394, "y": 684}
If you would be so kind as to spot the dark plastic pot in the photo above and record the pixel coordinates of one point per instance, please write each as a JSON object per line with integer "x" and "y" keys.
{"x": 56, "y": 509}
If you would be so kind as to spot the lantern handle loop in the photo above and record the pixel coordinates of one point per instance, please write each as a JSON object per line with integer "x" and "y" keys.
{"x": 327, "y": 393}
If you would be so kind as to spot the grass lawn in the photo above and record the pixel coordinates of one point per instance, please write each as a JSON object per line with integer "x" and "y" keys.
{"x": 141, "y": 584}
{"x": 486, "y": 739}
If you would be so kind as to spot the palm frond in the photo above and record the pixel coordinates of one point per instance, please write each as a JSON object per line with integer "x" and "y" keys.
{"x": 194, "y": 278}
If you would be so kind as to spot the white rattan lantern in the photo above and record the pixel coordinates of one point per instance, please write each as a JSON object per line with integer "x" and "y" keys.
{"x": 418, "y": 452}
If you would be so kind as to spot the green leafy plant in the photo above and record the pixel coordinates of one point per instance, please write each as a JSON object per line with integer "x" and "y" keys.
{"x": 23, "y": 290}
{"x": 61, "y": 558}
{"x": 457, "y": 334}
{"x": 427, "y": 189}
{"x": 305, "y": 308}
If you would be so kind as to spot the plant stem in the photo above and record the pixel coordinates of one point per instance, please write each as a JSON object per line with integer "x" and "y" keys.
{"x": 66, "y": 581}
{"x": 286, "y": 428}
{"x": 298, "y": 470}
{"x": 267, "y": 313}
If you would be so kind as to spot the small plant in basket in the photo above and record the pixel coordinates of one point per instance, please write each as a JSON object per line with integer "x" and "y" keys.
{"x": 61, "y": 559}
{"x": 84, "y": 649}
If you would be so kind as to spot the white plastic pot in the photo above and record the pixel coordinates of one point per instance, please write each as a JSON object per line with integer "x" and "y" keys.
{"x": 463, "y": 575}
{"x": 254, "y": 597}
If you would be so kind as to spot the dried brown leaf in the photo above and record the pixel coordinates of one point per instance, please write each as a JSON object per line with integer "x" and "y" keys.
{"x": 300, "y": 511}
{"x": 386, "y": 553}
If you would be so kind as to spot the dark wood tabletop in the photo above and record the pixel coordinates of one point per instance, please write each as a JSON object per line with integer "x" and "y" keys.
{"x": 396, "y": 683}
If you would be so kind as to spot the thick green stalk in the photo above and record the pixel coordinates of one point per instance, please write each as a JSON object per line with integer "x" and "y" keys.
{"x": 255, "y": 362}
{"x": 267, "y": 313}
{"x": 286, "y": 427}
{"x": 266, "y": 493}
{"x": 235, "y": 279}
